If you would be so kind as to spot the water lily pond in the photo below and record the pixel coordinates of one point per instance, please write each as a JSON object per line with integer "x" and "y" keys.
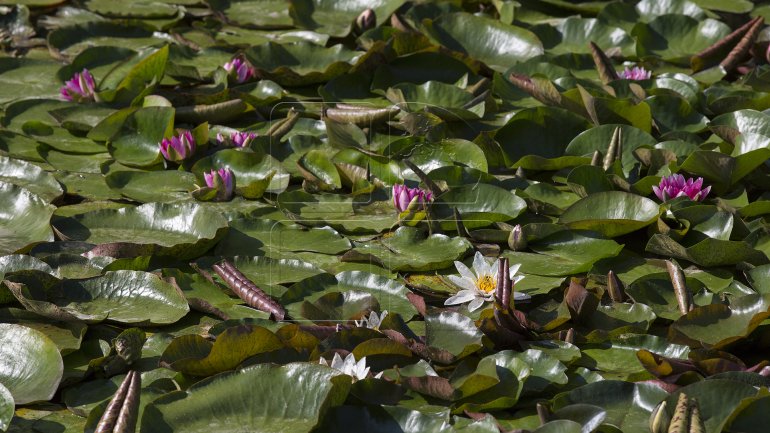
{"x": 464, "y": 216}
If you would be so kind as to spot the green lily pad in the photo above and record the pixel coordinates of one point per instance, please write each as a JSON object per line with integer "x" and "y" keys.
{"x": 530, "y": 133}
{"x": 196, "y": 356}
{"x": 336, "y": 19}
{"x": 444, "y": 100}
{"x": 120, "y": 296}
{"x": 26, "y": 219}
{"x": 66, "y": 335}
{"x": 719, "y": 325}
{"x": 274, "y": 271}
{"x": 410, "y": 249}
{"x": 357, "y": 214}
{"x": 598, "y": 138}
{"x": 452, "y": 332}
{"x": 195, "y": 229}
{"x": 247, "y": 399}
{"x": 30, "y": 177}
{"x": 390, "y": 295}
{"x": 23, "y": 77}
{"x": 71, "y": 40}
{"x": 574, "y": 34}
{"x": 677, "y": 37}
{"x": 6, "y": 407}
{"x": 564, "y": 253}
{"x": 135, "y": 134}
{"x": 300, "y": 63}
{"x": 617, "y": 357}
{"x": 148, "y": 186}
{"x": 30, "y": 366}
{"x": 253, "y": 236}
{"x": 628, "y": 405}
{"x": 708, "y": 252}
{"x": 495, "y": 43}
{"x": 480, "y": 205}
{"x": 259, "y": 13}
{"x": 611, "y": 213}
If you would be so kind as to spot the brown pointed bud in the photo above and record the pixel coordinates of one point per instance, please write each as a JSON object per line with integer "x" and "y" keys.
{"x": 614, "y": 287}
{"x": 543, "y": 413}
{"x": 122, "y": 412}
{"x": 680, "y": 422}
{"x": 696, "y": 421}
{"x": 366, "y": 21}
{"x": 657, "y": 422}
{"x": 567, "y": 336}
{"x": 683, "y": 294}
{"x": 516, "y": 240}
{"x": 612, "y": 149}
{"x": 596, "y": 159}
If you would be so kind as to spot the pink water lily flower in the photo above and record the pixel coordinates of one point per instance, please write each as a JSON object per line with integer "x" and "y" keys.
{"x": 81, "y": 88}
{"x": 222, "y": 181}
{"x": 178, "y": 148}
{"x": 403, "y": 196}
{"x": 241, "y": 70}
{"x": 636, "y": 73}
{"x": 676, "y": 186}
{"x": 237, "y": 139}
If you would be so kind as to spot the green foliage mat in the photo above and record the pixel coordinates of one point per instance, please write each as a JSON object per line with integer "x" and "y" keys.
{"x": 543, "y": 133}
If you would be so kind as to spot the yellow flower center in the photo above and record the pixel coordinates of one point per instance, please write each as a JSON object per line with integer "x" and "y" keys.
{"x": 486, "y": 284}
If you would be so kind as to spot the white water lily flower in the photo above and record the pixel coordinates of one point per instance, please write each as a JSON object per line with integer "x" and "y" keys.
{"x": 373, "y": 321}
{"x": 356, "y": 370}
{"x": 478, "y": 286}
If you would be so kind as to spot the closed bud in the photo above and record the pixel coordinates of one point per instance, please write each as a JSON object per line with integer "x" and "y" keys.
{"x": 366, "y": 21}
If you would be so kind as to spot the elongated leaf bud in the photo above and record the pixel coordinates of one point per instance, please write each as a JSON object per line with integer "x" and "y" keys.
{"x": 683, "y": 295}
{"x": 680, "y": 422}
{"x": 122, "y": 412}
{"x": 248, "y": 291}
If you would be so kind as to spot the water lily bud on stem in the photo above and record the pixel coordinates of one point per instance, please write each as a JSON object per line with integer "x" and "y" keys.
{"x": 222, "y": 181}
{"x": 178, "y": 148}
{"x": 366, "y": 21}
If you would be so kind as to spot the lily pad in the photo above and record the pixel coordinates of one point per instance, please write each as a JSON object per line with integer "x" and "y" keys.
{"x": 300, "y": 63}
{"x": 194, "y": 410}
{"x": 30, "y": 366}
{"x": 611, "y": 213}
{"x": 502, "y": 45}
{"x": 25, "y": 221}
{"x": 409, "y": 249}
{"x": 120, "y": 296}
{"x": 181, "y": 230}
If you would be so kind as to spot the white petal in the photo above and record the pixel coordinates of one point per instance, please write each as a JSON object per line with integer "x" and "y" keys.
{"x": 323, "y": 361}
{"x": 494, "y": 268}
{"x": 475, "y": 304}
{"x": 460, "y": 298}
{"x": 361, "y": 364}
{"x": 518, "y": 296}
{"x": 337, "y": 362}
{"x": 514, "y": 268}
{"x": 518, "y": 278}
{"x": 378, "y": 375}
{"x": 454, "y": 300}
{"x": 362, "y": 373}
{"x": 480, "y": 266}
{"x": 462, "y": 282}
{"x": 464, "y": 271}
